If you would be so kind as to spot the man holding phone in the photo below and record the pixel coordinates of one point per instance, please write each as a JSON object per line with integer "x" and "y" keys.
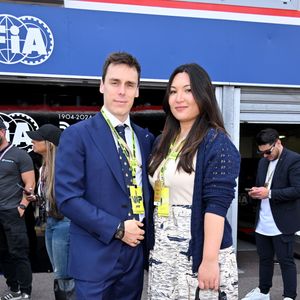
{"x": 16, "y": 168}
{"x": 277, "y": 219}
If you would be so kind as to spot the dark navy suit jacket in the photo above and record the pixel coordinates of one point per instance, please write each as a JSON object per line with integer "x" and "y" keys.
{"x": 285, "y": 191}
{"x": 90, "y": 190}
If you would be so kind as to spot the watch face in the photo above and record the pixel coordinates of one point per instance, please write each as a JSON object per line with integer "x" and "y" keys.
{"x": 119, "y": 234}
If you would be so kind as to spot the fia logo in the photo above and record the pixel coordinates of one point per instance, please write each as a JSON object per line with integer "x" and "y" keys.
{"x": 17, "y": 124}
{"x": 27, "y": 40}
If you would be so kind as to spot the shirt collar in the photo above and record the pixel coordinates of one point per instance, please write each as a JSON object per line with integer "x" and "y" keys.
{"x": 2, "y": 151}
{"x": 114, "y": 121}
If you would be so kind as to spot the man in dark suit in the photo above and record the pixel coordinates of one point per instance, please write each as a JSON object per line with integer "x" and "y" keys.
{"x": 102, "y": 186}
{"x": 278, "y": 213}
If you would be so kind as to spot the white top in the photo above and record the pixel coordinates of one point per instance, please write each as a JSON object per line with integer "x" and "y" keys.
{"x": 266, "y": 224}
{"x": 181, "y": 184}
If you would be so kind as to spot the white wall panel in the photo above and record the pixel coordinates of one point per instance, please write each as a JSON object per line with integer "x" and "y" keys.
{"x": 280, "y": 106}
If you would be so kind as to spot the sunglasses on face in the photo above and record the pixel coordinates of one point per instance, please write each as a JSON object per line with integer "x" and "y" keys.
{"x": 266, "y": 152}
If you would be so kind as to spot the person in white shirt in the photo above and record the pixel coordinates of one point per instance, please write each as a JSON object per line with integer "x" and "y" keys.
{"x": 277, "y": 191}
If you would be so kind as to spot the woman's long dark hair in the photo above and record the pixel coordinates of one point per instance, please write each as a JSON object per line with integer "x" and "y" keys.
{"x": 209, "y": 117}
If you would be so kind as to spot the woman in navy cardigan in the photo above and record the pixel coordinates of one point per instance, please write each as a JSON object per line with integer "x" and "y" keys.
{"x": 193, "y": 171}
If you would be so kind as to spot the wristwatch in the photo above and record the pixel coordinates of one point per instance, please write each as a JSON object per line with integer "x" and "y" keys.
{"x": 22, "y": 206}
{"x": 120, "y": 231}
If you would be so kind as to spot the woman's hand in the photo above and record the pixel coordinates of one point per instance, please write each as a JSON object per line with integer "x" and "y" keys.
{"x": 209, "y": 275}
{"x": 209, "y": 270}
{"x": 30, "y": 196}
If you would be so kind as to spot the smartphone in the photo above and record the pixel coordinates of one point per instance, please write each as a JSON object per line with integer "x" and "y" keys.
{"x": 248, "y": 189}
{"x": 25, "y": 191}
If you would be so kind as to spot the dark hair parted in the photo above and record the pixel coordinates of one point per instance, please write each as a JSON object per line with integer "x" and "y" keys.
{"x": 209, "y": 117}
{"x": 118, "y": 58}
{"x": 267, "y": 136}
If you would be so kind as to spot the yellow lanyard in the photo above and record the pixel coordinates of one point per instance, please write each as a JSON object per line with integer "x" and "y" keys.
{"x": 130, "y": 156}
{"x": 172, "y": 154}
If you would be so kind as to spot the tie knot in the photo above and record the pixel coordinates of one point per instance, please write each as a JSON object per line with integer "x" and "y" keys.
{"x": 120, "y": 128}
{"x": 121, "y": 131}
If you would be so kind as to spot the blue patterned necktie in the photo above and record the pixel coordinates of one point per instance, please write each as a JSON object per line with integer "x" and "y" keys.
{"x": 124, "y": 162}
{"x": 127, "y": 174}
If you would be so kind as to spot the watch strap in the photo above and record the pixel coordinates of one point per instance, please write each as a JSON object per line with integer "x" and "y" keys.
{"x": 120, "y": 231}
{"x": 22, "y": 206}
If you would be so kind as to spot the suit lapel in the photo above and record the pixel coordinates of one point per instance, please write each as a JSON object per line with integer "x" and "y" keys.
{"x": 140, "y": 133}
{"x": 102, "y": 137}
{"x": 263, "y": 173}
{"x": 280, "y": 164}
{"x": 143, "y": 136}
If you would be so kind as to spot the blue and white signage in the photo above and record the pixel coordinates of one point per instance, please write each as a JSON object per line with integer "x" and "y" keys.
{"x": 26, "y": 39}
{"x": 234, "y": 48}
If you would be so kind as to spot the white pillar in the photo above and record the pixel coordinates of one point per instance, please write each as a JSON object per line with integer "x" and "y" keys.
{"x": 229, "y": 101}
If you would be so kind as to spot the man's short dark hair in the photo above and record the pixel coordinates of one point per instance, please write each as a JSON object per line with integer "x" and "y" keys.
{"x": 118, "y": 58}
{"x": 267, "y": 136}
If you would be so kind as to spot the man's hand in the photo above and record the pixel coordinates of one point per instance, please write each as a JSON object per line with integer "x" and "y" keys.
{"x": 133, "y": 233}
{"x": 259, "y": 192}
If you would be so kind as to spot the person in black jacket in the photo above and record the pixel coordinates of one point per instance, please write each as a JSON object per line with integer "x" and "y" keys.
{"x": 278, "y": 193}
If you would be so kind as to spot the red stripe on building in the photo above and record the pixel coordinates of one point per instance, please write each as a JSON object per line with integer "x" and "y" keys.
{"x": 205, "y": 6}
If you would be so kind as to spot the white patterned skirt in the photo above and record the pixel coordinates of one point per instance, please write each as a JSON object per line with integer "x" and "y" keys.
{"x": 170, "y": 271}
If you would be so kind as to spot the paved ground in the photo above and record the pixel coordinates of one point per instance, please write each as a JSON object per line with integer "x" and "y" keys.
{"x": 248, "y": 279}
{"x": 248, "y": 270}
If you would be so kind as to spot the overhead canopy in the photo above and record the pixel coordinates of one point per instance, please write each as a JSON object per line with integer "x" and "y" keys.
{"x": 70, "y": 43}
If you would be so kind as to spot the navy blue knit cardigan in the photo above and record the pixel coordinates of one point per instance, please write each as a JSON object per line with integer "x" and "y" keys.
{"x": 217, "y": 167}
